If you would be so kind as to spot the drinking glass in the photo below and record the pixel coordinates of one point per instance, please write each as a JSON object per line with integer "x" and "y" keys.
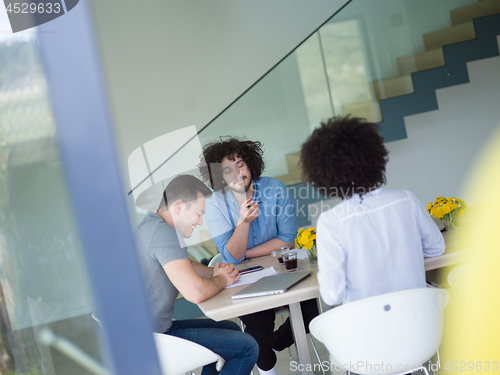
{"x": 278, "y": 253}
{"x": 290, "y": 259}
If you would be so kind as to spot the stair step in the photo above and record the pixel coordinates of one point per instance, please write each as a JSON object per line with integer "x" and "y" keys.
{"x": 369, "y": 109}
{"x": 421, "y": 61}
{"x": 292, "y": 162}
{"x": 455, "y": 34}
{"x": 479, "y": 9}
{"x": 389, "y": 88}
{"x": 288, "y": 179}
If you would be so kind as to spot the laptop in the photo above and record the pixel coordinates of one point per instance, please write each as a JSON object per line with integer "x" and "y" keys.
{"x": 269, "y": 285}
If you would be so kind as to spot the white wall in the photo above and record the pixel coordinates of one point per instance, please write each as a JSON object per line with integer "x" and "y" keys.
{"x": 170, "y": 64}
{"x": 272, "y": 112}
{"x": 181, "y": 65}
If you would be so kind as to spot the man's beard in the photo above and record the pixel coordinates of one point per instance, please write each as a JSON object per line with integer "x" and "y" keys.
{"x": 240, "y": 189}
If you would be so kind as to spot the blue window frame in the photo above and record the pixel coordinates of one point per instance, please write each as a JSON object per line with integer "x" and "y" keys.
{"x": 71, "y": 60}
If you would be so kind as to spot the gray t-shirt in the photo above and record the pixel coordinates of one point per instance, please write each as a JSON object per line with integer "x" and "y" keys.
{"x": 158, "y": 244}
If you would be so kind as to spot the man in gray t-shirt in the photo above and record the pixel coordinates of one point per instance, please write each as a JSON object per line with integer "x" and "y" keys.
{"x": 168, "y": 271}
{"x": 159, "y": 244}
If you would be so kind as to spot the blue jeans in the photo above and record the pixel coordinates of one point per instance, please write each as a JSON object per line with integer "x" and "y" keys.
{"x": 225, "y": 338}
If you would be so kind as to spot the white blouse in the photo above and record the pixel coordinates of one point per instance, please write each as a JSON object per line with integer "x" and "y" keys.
{"x": 374, "y": 246}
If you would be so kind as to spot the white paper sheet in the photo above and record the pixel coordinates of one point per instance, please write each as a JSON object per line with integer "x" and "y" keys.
{"x": 302, "y": 253}
{"x": 254, "y": 276}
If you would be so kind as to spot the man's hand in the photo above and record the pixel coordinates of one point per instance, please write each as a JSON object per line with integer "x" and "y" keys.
{"x": 227, "y": 271}
{"x": 248, "y": 212}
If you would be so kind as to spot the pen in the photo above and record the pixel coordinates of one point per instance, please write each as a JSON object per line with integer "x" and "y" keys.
{"x": 255, "y": 202}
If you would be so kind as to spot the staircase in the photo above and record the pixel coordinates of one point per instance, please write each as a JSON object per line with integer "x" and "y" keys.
{"x": 294, "y": 171}
{"x": 472, "y": 36}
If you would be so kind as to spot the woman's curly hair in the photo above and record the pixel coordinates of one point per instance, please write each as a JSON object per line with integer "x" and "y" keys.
{"x": 214, "y": 152}
{"x": 344, "y": 156}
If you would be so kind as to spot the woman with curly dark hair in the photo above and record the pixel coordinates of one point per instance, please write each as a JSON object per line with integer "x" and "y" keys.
{"x": 345, "y": 156}
{"x": 374, "y": 241}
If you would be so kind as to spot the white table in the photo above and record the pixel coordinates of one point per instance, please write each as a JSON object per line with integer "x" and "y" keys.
{"x": 222, "y": 307}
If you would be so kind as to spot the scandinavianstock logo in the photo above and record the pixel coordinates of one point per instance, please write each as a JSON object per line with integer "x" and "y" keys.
{"x": 26, "y": 14}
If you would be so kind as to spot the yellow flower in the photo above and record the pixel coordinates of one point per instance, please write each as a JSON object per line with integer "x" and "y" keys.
{"x": 306, "y": 238}
{"x": 309, "y": 244}
{"x": 297, "y": 243}
{"x": 435, "y": 212}
{"x": 443, "y": 206}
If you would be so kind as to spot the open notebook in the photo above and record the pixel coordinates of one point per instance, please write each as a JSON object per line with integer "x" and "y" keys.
{"x": 272, "y": 285}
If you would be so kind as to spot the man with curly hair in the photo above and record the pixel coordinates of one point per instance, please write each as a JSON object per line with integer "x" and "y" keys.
{"x": 374, "y": 241}
{"x": 250, "y": 216}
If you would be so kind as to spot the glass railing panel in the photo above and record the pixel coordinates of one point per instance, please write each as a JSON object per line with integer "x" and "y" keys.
{"x": 364, "y": 54}
{"x": 153, "y": 165}
{"x": 348, "y": 73}
{"x": 273, "y": 112}
{"x": 314, "y": 80}
{"x": 386, "y": 46}
{"x": 44, "y": 287}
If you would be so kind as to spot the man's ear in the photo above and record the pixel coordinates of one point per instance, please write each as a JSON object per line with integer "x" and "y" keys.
{"x": 176, "y": 207}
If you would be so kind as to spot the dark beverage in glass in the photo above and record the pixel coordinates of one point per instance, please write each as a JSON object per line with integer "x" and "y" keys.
{"x": 290, "y": 261}
{"x": 291, "y": 264}
{"x": 280, "y": 252}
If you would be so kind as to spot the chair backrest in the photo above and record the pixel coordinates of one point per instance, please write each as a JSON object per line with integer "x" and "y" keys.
{"x": 178, "y": 356}
{"x": 386, "y": 334}
{"x": 217, "y": 258}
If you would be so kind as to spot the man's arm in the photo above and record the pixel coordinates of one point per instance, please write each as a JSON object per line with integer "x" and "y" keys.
{"x": 192, "y": 286}
{"x": 232, "y": 243}
{"x": 208, "y": 272}
{"x": 267, "y": 248}
{"x": 285, "y": 223}
{"x": 238, "y": 242}
{"x": 202, "y": 271}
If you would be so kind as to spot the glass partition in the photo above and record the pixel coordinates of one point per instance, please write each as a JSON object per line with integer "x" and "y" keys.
{"x": 361, "y": 60}
{"x": 45, "y": 297}
{"x": 364, "y": 54}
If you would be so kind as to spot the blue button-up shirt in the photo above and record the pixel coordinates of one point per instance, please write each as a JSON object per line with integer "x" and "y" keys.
{"x": 276, "y": 216}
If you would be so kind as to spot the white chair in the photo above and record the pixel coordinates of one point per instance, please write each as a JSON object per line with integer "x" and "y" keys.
{"x": 217, "y": 258}
{"x": 400, "y": 330}
{"x": 178, "y": 356}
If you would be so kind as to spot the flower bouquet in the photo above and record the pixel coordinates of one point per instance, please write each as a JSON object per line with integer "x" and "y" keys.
{"x": 448, "y": 210}
{"x": 306, "y": 238}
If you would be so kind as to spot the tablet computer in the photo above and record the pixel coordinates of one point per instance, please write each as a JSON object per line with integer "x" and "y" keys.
{"x": 269, "y": 285}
